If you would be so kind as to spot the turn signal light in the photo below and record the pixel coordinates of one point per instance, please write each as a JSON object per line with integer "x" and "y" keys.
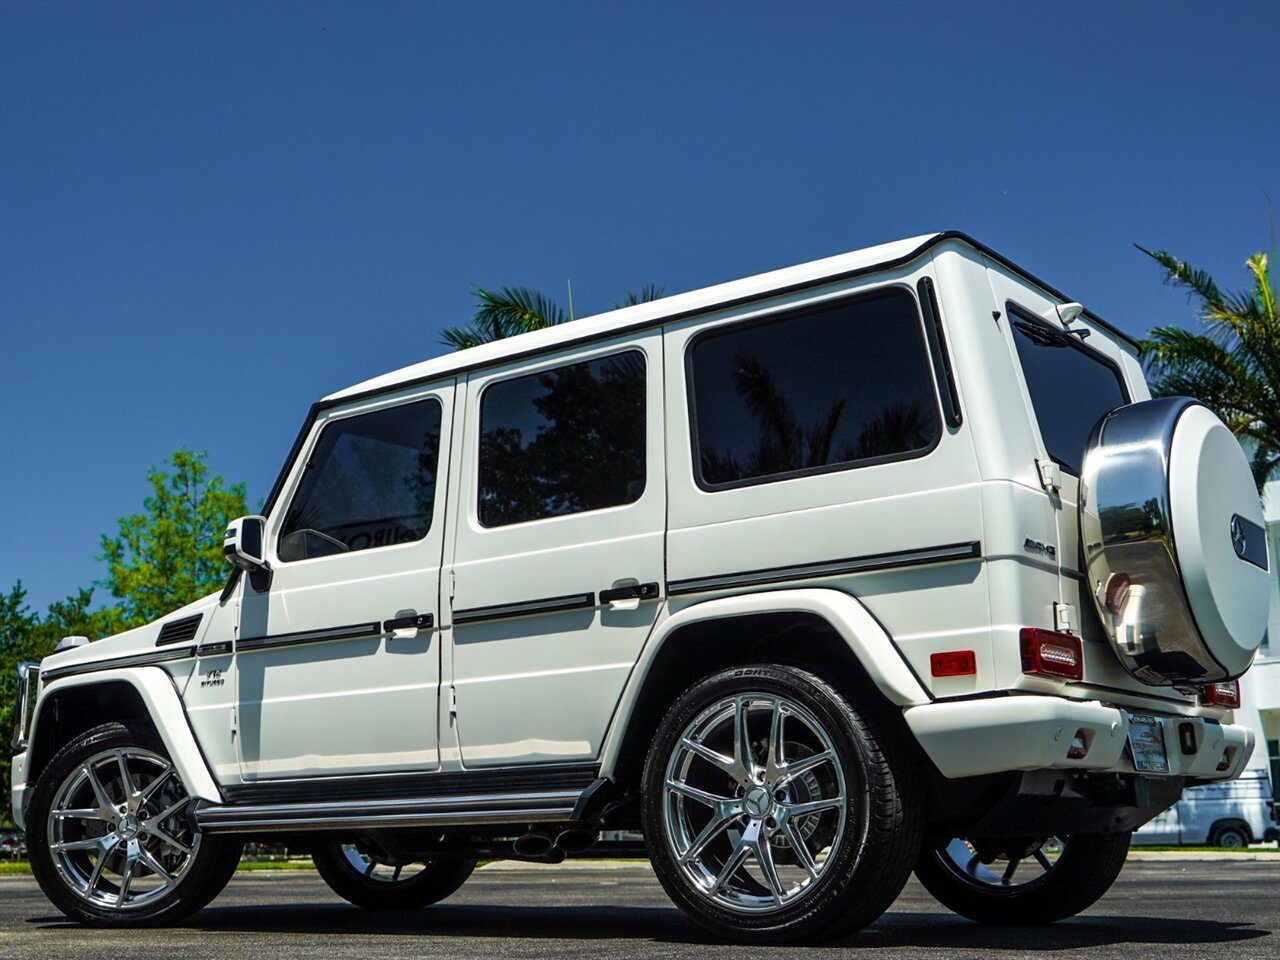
{"x": 1221, "y": 695}
{"x": 1051, "y": 654}
{"x": 957, "y": 663}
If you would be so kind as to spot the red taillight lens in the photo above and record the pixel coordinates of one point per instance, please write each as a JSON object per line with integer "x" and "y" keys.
{"x": 1221, "y": 695}
{"x": 957, "y": 663}
{"x": 1051, "y": 654}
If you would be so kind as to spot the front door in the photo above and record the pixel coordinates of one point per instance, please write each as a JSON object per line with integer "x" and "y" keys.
{"x": 337, "y": 661}
{"x": 558, "y": 564}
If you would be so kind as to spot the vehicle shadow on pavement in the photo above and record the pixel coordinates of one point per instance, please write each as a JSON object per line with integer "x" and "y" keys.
{"x": 667, "y": 925}
{"x": 902, "y": 929}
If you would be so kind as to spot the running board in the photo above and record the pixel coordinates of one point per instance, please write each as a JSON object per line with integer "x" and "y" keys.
{"x": 442, "y": 811}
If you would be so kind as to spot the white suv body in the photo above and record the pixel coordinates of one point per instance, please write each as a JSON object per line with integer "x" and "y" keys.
{"x": 861, "y": 469}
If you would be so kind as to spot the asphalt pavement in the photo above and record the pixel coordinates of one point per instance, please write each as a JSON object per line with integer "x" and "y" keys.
{"x": 1198, "y": 909}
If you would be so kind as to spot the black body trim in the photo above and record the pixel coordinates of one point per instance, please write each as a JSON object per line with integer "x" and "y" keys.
{"x": 351, "y": 632}
{"x": 525, "y": 608}
{"x": 179, "y": 631}
{"x": 938, "y": 353}
{"x": 214, "y": 649}
{"x": 829, "y": 568}
{"x": 138, "y": 660}
{"x": 577, "y": 776}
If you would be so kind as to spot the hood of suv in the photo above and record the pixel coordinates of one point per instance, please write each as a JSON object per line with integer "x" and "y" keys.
{"x": 131, "y": 643}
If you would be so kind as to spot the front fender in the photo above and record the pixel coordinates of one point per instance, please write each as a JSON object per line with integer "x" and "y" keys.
{"x": 867, "y": 640}
{"x": 164, "y": 706}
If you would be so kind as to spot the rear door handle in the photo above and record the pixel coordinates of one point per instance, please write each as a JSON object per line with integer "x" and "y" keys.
{"x": 416, "y": 621}
{"x": 635, "y": 591}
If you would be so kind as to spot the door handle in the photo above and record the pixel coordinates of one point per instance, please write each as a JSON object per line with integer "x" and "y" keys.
{"x": 635, "y": 591}
{"x": 415, "y": 621}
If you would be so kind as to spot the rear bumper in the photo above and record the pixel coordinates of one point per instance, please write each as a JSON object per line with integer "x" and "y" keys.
{"x": 969, "y": 738}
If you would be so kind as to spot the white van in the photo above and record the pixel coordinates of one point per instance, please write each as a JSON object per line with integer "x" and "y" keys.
{"x": 881, "y": 562}
{"x": 1231, "y": 814}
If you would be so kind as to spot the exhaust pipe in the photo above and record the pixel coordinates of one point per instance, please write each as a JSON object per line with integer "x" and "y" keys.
{"x": 575, "y": 840}
{"x": 537, "y": 846}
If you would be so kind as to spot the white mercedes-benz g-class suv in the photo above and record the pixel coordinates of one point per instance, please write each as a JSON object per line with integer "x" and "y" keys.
{"x": 878, "y": 563}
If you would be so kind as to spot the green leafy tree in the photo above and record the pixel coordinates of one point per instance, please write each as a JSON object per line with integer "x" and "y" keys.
{"x": 171, "y": 553}
{"x": 514, "y": 310}
{"x": 1233, "y": 366}
{"x": 26, "y": 635}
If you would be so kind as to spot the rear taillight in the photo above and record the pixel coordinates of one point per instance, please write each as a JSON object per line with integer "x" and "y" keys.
{"x": 1051, "y": 654}
{"x": 1221, "y": 695}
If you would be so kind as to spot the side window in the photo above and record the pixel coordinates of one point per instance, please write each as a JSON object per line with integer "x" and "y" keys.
{"x": 563, "y": 441}
{"x": 1071, "y": 386}
{"x": 371, "y": 482}
{"x": 812, "y": 392}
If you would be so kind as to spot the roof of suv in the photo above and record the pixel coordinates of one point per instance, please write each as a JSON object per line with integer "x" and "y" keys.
{"x": 681, "y": 305}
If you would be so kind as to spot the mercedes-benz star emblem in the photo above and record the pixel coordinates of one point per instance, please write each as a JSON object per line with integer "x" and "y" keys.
{"x": 1238, "y": 540}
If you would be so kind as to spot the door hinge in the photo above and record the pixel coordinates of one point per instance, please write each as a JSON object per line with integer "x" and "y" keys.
{"x": 1050, "y": 475}
{"x": 1063, "y": 615}
{"x": 453, "y": 702}
{"x": 453, "y": 584}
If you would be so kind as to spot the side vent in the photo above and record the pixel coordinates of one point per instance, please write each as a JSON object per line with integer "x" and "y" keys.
{"x": 179, "y": 631}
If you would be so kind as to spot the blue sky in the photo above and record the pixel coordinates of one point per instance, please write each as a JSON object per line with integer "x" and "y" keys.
{"x": 213, "y": 214}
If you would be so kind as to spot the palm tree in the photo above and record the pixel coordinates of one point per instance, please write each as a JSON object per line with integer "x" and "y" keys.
{"x": 1234, "y": 366}
{"x": 515, "y": 310}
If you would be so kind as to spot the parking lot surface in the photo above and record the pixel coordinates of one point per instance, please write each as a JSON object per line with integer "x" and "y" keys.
{"x": 1216, "y": 909}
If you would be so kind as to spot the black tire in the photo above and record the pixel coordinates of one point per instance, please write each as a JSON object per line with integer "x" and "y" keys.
{"x": 1084, "y": 870}
{"x": 368, "y": 888}
{"x": 868, "y": 827}
{"x": 81, "y": 882}
{"x": 1233, "y": 836}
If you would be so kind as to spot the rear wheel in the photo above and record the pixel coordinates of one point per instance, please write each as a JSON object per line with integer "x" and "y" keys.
{"x": 1232, "y": 836}
{"x": 772, "y": 811}
{"x": 365, "y": 880}
{"x": 110, "y": 838}
{"x": 1020, "y": 881}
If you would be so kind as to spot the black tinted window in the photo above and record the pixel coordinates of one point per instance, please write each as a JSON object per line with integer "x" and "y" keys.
{"x": 563, "y": 441}
{"x": 371, "y": 482}
{"x": 813, "y": 391}
{"x": 1071, "y": 387}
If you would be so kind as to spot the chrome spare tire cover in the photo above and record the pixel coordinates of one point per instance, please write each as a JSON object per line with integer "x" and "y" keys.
{"x": 1174, "y": 542}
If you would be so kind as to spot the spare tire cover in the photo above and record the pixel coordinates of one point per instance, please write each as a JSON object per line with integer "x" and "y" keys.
{"x": 1174, "y": 542}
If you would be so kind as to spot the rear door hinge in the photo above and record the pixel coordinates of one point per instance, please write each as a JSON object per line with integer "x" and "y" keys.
{"x": 1050, "y": 475}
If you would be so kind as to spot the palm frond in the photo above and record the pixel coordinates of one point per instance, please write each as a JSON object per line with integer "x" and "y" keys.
{"x": 650, "y": 291}
{"x": 506, "y": 313}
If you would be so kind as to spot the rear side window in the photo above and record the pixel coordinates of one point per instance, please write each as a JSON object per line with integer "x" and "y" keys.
{"x": 812, "y": 392}
{"x": 371, "y": 482}
{"x": 1071, "y": 386}
{"x": 563, "y": 441}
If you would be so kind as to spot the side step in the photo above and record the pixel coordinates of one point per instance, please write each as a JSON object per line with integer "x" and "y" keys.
{"x": 442, "y": 811}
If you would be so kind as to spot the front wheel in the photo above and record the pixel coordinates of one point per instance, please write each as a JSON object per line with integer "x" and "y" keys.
{"x": 1021, "y": 881}
{"x": 110, "y": 838}
{"x": 773, "y": 811}
{"x": 362, "y": 878}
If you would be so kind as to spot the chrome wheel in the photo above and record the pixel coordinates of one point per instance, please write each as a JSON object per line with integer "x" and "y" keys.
{"x": 1023, "y": 868}
{"x": 754, "y": 803}
{"x": 117, "y": 830}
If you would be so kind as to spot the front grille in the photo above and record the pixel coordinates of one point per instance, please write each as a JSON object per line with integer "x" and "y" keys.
{"x": 179, "y": 631}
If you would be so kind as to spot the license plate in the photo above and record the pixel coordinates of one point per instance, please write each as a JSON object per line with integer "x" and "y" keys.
{"x": 1146, "y": 741}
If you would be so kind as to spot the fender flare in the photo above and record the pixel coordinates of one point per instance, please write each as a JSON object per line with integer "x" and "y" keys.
{"x": 867, "y": 640}
{"x": 160, "y": 697}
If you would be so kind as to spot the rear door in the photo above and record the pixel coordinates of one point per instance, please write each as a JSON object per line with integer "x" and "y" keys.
{"x": 558, "y": 563}
{"x": 1072, "y": 378}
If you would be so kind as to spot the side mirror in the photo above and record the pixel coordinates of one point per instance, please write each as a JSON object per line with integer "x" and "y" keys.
{"x": 243, "y": 544}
